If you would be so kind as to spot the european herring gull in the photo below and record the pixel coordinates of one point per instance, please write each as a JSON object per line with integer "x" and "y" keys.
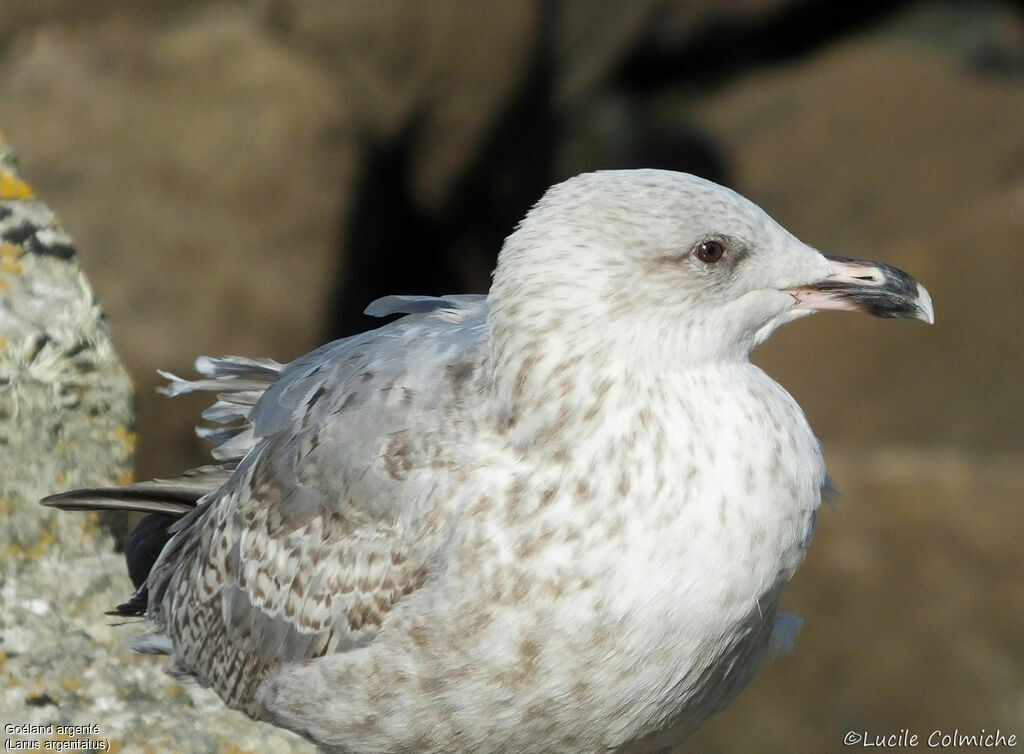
{"x": 557, "y": 518}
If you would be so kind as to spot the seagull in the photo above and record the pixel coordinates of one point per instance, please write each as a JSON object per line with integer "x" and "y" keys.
{"x": 556, "y": 518}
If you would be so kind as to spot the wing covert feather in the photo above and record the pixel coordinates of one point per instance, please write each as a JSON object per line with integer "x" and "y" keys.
{"x": 321, "y": 529}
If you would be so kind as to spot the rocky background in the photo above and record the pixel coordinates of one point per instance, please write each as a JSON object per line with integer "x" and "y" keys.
{"x": 243, "y": 177}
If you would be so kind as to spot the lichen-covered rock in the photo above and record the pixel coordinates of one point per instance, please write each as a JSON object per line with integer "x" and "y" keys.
{"x": 66, "y": 420}
{"x": 66, "y": 417}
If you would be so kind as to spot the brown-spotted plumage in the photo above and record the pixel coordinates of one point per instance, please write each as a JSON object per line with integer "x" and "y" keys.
{"x": 558, "y": 518}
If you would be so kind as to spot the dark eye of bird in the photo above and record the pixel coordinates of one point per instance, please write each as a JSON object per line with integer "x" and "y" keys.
{"x": 709, "y": 252}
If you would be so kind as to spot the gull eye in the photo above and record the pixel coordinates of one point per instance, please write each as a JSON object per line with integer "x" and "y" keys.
{"x": 709, "y": 252}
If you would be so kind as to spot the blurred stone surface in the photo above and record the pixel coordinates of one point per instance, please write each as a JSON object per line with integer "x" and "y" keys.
{"x": 592, "y": 38}
{"x": 16, "y": 18}
{"x": 451, "y": 64}
{"x": 454, "y": 65}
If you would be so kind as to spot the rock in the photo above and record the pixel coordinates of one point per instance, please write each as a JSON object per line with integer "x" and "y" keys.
{"x": 66, "y": 415}
{"x": 591, "y": 39}
{"x": 451, "y": 64}
{"x": 15, "y": 18}
{"x": 66, "y": 421}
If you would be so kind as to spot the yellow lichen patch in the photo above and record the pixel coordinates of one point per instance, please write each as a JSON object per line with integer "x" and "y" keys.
{"x": 70, "y": 684}
{"x": 37, "y": 548}
{"x": 231, "y": 748}
{"x": 47, "y": 537}
{"x": 125, "y": 477}
{"x": 14, "y": 188}
{"x": 125, "y": 436}
{"x": 4, "y": 287}
{"x": 62, "y": 479}
{"x": 9, "y": 254}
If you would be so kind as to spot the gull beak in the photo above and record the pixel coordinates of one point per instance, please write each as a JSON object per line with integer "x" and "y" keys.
{"x": 870, "y": 287}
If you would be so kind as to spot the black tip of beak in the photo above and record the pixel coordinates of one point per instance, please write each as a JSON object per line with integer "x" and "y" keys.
{"x": 872, "y": 287}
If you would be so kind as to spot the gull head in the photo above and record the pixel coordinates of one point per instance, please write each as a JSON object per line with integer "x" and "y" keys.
{"x": 669, "y": 269}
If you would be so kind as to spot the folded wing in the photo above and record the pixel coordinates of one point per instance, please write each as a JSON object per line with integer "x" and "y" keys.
{"x": 325, "y": 513}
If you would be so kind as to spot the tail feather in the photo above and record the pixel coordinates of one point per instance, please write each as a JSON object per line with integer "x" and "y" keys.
{"x": 118, "y": 499}
{"x": 238, "y": 383}
{"x": 175, "y": 496}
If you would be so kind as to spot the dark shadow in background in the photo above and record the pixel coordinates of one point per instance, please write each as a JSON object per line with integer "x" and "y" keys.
{"x": 723, "y": 49}
{"x": 393, "y": 245}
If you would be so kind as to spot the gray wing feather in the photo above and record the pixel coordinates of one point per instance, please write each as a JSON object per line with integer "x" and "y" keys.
{"x": 315, "y": 537}
{"x": 397, "y": 304}
{"x": 382, "y": 352}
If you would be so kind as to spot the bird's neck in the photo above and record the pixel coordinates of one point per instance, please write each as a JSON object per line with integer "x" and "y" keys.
{"x": 550, "y": 390}
{"x": 563, "y": 361}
